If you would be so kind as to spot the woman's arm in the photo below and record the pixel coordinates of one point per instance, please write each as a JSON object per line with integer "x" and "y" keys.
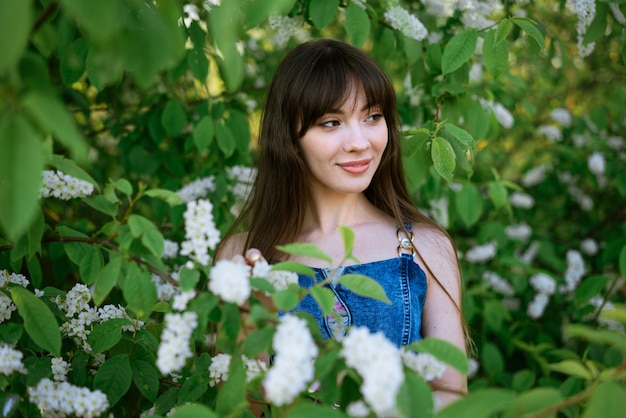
{"x": 442, "y": 316}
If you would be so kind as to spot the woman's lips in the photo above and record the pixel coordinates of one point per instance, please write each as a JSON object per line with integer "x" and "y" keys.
{"x": 356, "y": 167}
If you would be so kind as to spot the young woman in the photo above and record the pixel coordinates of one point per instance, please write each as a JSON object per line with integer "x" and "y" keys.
{"x": 330, "y": 156}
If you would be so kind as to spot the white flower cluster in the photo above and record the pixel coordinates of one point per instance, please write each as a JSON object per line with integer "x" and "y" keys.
{"x": 501, "y": 113}
{"x": 165, "y": 289}
{"x": 521, "y": 200}
{"x": 589, "y": 246}
{"x": 409, "y": 25}
{"x": 285, "y": 27}
{"x": 475, "y": 13}
{"x": 498, "y": 284}
{"x": 170, "y": 249}
{"x": 174, "y": 349}
{"x": 597, "y": 165}
{"x": 7, "y": 307}
{"x": 54, "y": 398}
{"x": 439, "y": 211}
{"x": 243, "y": 179}
{"x": 182, "y": 299}
{"x": 15, "y": 278}
{"x": 10, "y": 360}
{"x": 60, "y": 369}
{"x": 81, "y": 316}
{"x": 190, "y": 11}
{"x": 358, "y": 409}
{"x": 586, "y": 11}
{"x": 561, "y": 116}
{"x": 63, "y": 186}
{"x": 545, "y": 286}
{"x": 481, "y": 253}
{"x": 531, "y": 252}
{"x": 521, "y": 231}
{"x": 201, "y": 234}
{"x": 425, "y": 364}
{"x": 197, "y": 189}
{"x": 379, "y": 363}
{"x": 535, "y": 175}
{"x": 293, "y": 368}
{"x": 575, "y": 270}
{"x": 550, "y": 132}
{"x": 280, "y": 279}
{"x": 230, "y": 280}
{"x": 604, "y": 306}
{"x": 218, "y": 370}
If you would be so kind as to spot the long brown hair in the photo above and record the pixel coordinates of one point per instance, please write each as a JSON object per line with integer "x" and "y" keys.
{"x": 314, "y": 77}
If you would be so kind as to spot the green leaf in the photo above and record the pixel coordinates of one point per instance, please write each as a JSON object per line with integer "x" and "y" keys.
{"x": 193, "y": 411}
{"x": 100, "y": 19}
{"x": 102, "y": 204}
{"x": 322, "y": 12}
{"x": 146, "y": 379}
{"x": 357, "y": 25}
{"x": 443, "y": 351}
{"x": 198, "y": 63}
{"x": 53, "y": 117}
{"x": 203, "y": 133}
{"x": 482, "y": 403}
{"x": 622, "y": 259}
{"x": 106, "y": 280}
{"x": 415, "y": 395}
{"x": 491, "y": 359}
{"x": 588, "y": 288}
{"x": 194, "y": 387}
{"x": 413, "y": 143}
{"x": 232, "y": 395}
{"x": 459, "y": 50}
{"x": 151, "y": 237}
{"x": 324, "y": 297}
{"x": 90, "y": 265}
{"x": 70, "y": 167}
{"x": 16, "y": 18}
{"x": 469, "y": 204}
{"x": 608, "y": 400}
{"x": 225, "y": 28}
{"x": 170, "y": 197}
{"x": 21, "y": 165}
{"x": 461, "y": 135}
{"x": 572, "y": 368}
{"x": 444, "y": 159}
{"x": 602, "y": 336}
{"x": 305, "y": 249}
{"x": 495, "y": 54}
{"x": 285, "y": 300}
{"x": 225, "y": 140}
{"x": 258, "y": 341}
{"x": 106, "y": 334}
{"x": 39, "y": 322}
{"x": 504, "y": 28}
{"x": 497, "y": 193}
{"x": 530, "y": 27}
{"x": 523, "y": 380}
{"x": 347, "y": 236}
{"x": 114, "y": 378}
{"x": 533, "y": 401}
{"x": 174, "y": 117}
{"x": 188, "y": 278}
{"x": 139, "y": 291}
{"x": 295, "y": 267}
{"x": 364, "y": 286}
{"x": 597, "y": 27}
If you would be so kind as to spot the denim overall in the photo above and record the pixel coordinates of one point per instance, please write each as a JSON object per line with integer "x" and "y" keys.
{"x": 404, "y": 283}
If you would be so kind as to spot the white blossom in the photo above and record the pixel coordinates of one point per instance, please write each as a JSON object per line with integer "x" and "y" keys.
{"x": 543, "y": 283}
{"x": 503, "y": 116}
{"x": 10, "y": 360}
{"x": 616, "y": 142}
{"x": 585, "y": 11}
{"x": 531, "y": 252}
{"x": 409, "y": 25}
{"x": 174, "y": 349}
{"x": 498, "y": 284}
{"x": 575, "y": 270}
{"x": 481, "y": 253}
{"x": 182, "y": 299}
{"x": 538, "y": 305}
{"x": 474, "y": 366}
{"x": 197, "y": 189}
{"x": 292, "y": 370}
{"x": 476, "y": 12}
{"x": 589, "y": 246}
{"x": 521, "y": 200}
{"x": 201, "y": 234}
{"x": 597, "y": 163}
{"x": 550, "y": 132}
{"x": 7, "y": 307}
{"x": 476, "y": 73}
{"x": 170, "y": 249}
{"x": 76, "y": 300}
{"x": 190, "y": 12}
{"x": 63, "y": 186}
{"x": 60, "y": 368}
{"x": 379, "y": 363}
{"x": 280, "y": 279}
{"x": 165, "y": 289}
{"x": 230, "y": 280}
{"x": 218, "y": 369}
{"x": 535, "y": 175}
{"x": 519, "y": 231}
{"x": 63, "y": 398}
{"x": 439, "y": 211}
{"x": 286, "y": 27}
{"x": 561, "y": 116}
{"x": 358, "y": 409}
{"x": 425, "y": 364}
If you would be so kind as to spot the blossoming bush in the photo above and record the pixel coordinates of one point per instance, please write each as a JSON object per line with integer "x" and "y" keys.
{"x": 127, "y": 147}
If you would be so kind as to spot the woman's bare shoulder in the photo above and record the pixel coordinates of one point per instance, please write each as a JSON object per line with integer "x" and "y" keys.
{"x": 232, "y": 246}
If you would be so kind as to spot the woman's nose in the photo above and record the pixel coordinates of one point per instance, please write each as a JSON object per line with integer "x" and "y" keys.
{"x": 356, "y": 138}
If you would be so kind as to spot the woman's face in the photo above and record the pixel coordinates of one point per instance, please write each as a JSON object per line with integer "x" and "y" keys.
{"x": 343, "y": 148}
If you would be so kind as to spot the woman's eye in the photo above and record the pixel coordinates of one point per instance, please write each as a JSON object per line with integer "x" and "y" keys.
{"x": 374, "y": 117}
{"x": 330, "y": 123}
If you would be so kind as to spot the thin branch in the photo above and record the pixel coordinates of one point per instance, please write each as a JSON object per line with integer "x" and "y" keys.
{"x": 43, "y": 17}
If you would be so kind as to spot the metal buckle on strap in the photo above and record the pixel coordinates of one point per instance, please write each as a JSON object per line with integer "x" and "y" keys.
{"x": 405, "y": 243}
